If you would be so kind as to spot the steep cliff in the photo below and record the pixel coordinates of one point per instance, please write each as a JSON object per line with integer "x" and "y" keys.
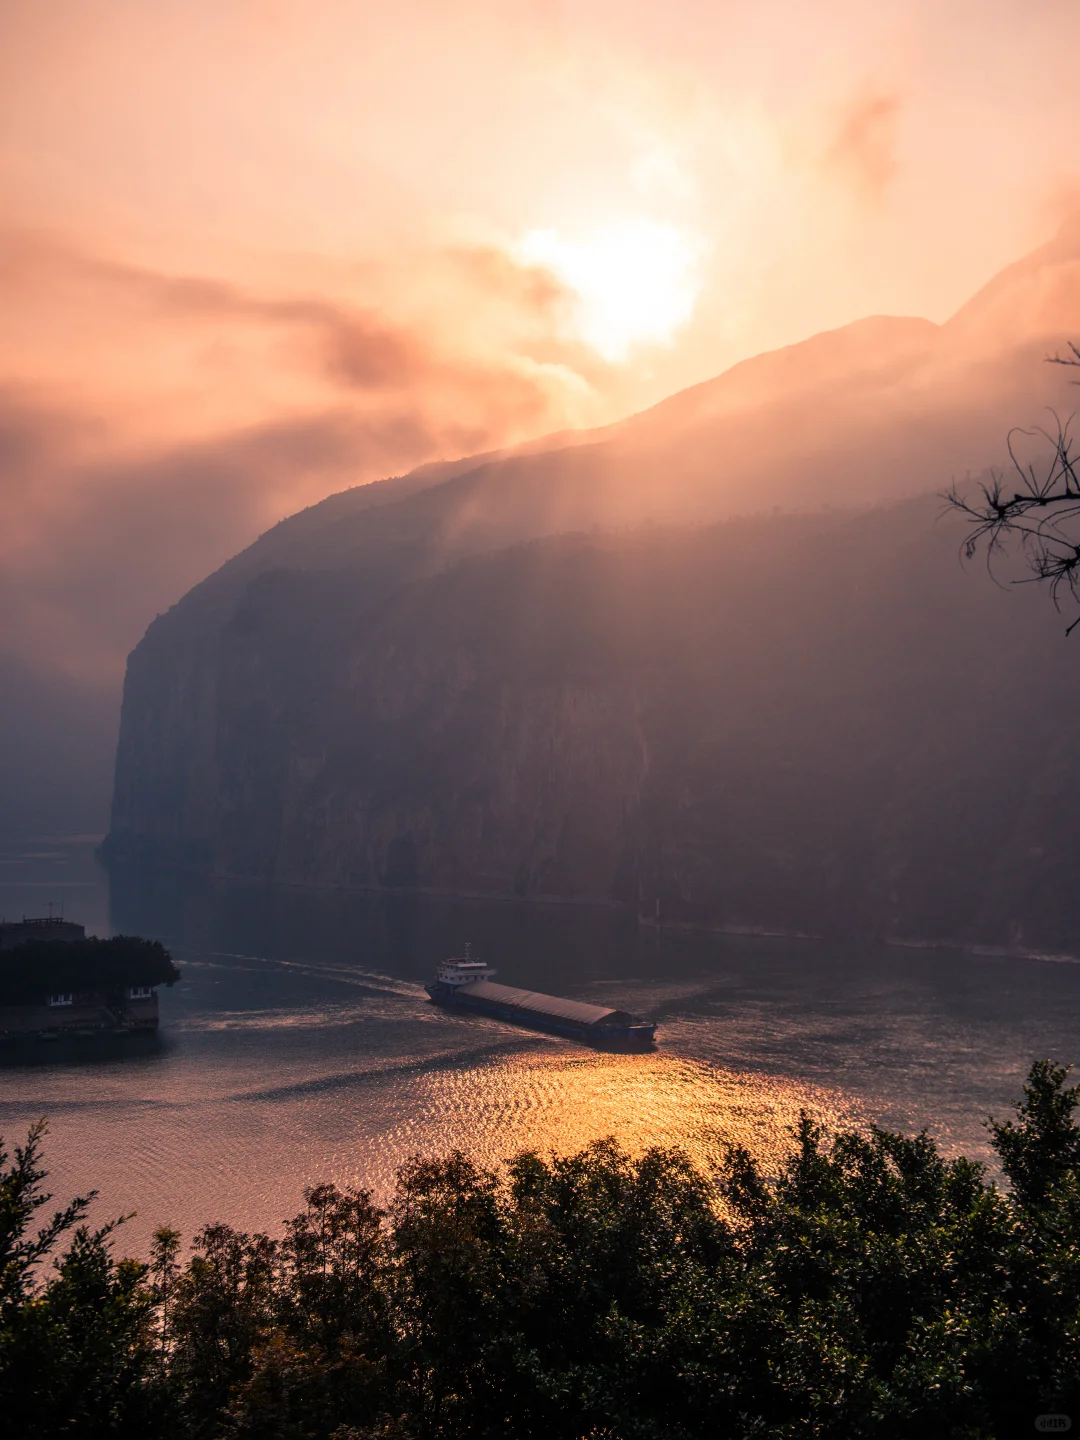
{"x": 571, "y": 672}
{"x": 815, "y": 723}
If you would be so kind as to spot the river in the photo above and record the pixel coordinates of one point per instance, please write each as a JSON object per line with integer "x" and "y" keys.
{"x": 299, "y": 1044}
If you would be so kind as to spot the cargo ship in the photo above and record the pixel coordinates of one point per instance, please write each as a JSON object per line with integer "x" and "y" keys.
{"x": 465, "y": 984}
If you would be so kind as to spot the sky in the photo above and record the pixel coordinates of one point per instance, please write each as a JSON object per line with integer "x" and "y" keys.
{"x": 254, "y": 251}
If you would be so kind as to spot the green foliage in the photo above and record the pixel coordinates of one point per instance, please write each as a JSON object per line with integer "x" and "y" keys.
{"x": 870, "y": 1289}
{"x": 21, "y": 1197}
{"x": 75, "y": 1344}
{"x": 38, "y": 968}
{"x": 1039, "y": 1151}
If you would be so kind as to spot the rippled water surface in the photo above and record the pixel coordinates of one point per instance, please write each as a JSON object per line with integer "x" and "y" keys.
{"x": 299, "y": 1044}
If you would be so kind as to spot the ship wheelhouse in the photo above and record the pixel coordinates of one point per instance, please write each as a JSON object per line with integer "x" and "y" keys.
{"x": 463, "y": 971}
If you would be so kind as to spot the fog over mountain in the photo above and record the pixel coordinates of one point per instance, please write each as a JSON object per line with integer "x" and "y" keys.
{"x": 247, "y": 262}
{"x": 716, "y": 658}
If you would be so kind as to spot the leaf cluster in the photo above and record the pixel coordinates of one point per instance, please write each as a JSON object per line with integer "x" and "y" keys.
{"x": 872, "y": 1288}
{"x": 37, "y": 968}
{"x": 76, "y": 1340}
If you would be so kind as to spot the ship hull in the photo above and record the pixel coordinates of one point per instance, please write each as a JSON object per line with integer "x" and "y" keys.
{"x": 639, "y": 1036}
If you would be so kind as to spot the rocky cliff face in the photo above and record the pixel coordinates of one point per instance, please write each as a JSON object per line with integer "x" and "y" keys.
{"x": 820, "y": 724}
{"x": 572, "y": 673}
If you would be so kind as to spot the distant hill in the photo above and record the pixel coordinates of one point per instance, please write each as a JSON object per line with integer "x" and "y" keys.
{"x": 57, "y": 745}
{"x": 667, "y": 661}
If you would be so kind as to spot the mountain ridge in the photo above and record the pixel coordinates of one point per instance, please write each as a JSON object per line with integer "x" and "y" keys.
{"x": 286, "y": 719}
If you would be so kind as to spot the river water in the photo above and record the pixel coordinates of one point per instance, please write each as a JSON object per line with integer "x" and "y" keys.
{"x": 299, "y": 1044}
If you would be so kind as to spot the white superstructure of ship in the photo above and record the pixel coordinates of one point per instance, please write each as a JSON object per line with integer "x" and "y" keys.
{"x": 463, "y": 971}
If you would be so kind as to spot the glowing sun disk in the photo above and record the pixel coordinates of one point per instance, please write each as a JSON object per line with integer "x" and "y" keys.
{"x": 634, "y": 281}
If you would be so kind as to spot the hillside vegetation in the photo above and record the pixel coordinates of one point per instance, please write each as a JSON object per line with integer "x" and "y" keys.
{"x": 29, "y": 973}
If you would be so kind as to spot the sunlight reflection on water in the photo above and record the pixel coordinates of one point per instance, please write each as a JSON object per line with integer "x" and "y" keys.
{"x": 226, "y": 1147}
{"x": 300, "y": 1045}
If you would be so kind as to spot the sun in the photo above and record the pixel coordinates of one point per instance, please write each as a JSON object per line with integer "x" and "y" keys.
{"x": 634, "y": 282}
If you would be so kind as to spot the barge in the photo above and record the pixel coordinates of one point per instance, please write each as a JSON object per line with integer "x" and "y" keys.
{"x": 466, "y": 984}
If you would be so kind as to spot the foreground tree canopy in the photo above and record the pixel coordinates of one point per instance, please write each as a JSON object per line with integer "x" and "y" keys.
{"x": 872, "y": 1288}
{"x": 30, "y": 972}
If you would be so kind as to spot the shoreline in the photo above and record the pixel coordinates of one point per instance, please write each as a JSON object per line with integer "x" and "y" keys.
{"x": 642, "y": 922}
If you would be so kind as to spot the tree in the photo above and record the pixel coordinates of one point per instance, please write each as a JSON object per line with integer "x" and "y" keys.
{"x": 1034, "y": 511}
{"x": 31, "y": 971}
{"x": 870, "y": 1290}
{"x": 76, "y": 1344}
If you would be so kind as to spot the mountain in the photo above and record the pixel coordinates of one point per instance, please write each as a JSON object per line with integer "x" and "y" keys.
{"x": 713, "y": 657}
{"x": 55, "y": 776}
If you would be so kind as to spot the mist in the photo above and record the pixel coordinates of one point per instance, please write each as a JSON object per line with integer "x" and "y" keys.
{"x": 248, "y": 261}
{"x": 538, "y": 548}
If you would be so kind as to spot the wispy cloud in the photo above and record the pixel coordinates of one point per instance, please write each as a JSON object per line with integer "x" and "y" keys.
{"x": 125, "y": 477}
{"x": 863, "y": 150}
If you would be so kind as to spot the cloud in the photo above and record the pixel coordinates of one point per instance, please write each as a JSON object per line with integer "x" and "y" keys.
{"x": 862, "y": 151}
{"x": 485, "y": 312}
{"x": 152, "y": 424}
{"x": 111, "y": 544}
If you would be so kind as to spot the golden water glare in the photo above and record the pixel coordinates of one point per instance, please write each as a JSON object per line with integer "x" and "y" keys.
{"x": 554, "y": 1104}
{"x": 238, "y": 1143}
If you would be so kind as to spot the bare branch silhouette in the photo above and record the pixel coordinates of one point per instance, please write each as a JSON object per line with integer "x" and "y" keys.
{"x": 1033, "y": 510}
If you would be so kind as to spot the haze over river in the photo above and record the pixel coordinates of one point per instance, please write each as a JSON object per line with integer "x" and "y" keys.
{"x": 299, "y": 1044}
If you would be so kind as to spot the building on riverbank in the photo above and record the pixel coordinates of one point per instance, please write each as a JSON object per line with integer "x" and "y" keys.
{"x": 54, "y": 981}
{"x": 47, "y": 927}
{"x": 88, "y": 1012}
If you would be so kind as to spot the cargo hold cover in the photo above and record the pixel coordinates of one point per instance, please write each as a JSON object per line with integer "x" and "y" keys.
{"x": 535, "y": 1003}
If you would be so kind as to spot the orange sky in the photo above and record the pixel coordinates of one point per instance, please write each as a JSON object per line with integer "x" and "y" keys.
{"x": 253, "y": 251}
